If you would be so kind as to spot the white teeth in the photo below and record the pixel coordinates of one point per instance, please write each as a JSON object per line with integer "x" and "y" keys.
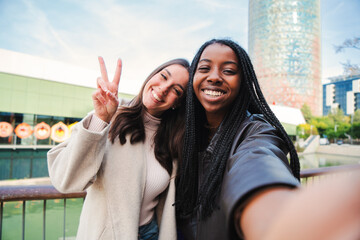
{"x": 213, "y": 93}
{"x": 156, "y": 96}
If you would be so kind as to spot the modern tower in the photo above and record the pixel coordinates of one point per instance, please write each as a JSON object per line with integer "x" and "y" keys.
{"x": 284, "y": 45}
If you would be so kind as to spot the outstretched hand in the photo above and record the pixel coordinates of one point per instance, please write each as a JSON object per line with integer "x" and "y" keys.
{"x": 105, "y": 98}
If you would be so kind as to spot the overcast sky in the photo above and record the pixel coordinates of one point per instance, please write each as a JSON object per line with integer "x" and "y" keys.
{"x": 147, "y": 33}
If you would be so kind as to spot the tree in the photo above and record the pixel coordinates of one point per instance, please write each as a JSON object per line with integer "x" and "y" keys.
{"x": 349, "y": 68}
{"x": 356, "y": 117}
{"x": 349, "y": 43}
{"x": 321, "y": 124}
{"x": 305, "y": 130}
{"x": 356, "y": 130}
{"x": 334, "y": 125}
{"x": 337, "y": 116}
{"x": 306, "y": 111}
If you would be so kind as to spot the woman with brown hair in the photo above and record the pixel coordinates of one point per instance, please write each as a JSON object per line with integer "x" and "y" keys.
{"x": 125, "y": 157}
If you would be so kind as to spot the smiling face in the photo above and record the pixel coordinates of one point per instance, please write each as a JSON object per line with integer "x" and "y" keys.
{"x": 165, "y": 89}
{"x": 217, "y": 81}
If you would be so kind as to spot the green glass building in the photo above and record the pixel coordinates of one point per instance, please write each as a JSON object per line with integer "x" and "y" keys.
{"x": 35, "y": 90}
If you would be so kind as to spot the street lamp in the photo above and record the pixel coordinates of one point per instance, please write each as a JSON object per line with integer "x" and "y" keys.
{"x": 335, "y": 128}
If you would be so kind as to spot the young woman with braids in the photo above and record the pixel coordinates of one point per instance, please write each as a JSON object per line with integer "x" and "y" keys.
{"x": 125, "y": 157}
{"x": 235, "y": 180}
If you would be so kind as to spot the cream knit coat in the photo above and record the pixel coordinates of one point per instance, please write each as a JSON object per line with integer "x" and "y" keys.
{"x": 114, "y": 177}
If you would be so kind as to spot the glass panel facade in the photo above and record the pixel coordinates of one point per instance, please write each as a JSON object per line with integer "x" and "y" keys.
{"x": 32, "y": 119}
{"x": 23, "y": 163}
{"x": 26, "y": 158}
{"x": 284, "y": 44}
{"x": 342, "y": 85}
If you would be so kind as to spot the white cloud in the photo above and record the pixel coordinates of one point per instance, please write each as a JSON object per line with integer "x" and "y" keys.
{"x": 143, "y": 35}
{"x": 40, "y": 28}
{"x": 196, "y": 27}
{"x": 142, "y": 41}
{"x": 214, "y": 5}
{"x": 331, "y": 72}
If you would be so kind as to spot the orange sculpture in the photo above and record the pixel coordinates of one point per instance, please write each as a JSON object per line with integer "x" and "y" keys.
{"x": 5, "y": 129}
{"x": 23, "y": 130}
{"x": 59, "y": 132}
{"x": 42, "y": 131}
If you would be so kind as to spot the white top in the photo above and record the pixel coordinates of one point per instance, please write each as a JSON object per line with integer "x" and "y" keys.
{"x": 157, "y": 178}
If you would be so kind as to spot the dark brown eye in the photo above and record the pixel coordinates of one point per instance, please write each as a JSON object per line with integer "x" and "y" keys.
{"x": 203, "y": 69}
{"x": 229, "y": 72}
{"x": 177, "y": 91}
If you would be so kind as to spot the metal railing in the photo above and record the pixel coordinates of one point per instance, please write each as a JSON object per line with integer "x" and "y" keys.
{"x": 25, "y": 194}
{"x": 45, "y": 193}
{"x": 307, "y": 175}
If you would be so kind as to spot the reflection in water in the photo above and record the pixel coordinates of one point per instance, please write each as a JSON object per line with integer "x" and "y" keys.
{"x": 316, "y": 160}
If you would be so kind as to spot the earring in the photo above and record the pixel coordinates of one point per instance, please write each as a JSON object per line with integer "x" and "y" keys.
{"x": 173, "y": 108}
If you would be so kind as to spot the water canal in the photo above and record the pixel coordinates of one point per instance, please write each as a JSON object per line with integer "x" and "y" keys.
{"x": 318, "y": 160}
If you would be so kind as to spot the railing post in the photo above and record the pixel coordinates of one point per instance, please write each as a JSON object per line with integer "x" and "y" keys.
{"x": 64, "y": 233}
{"x": 44, "y": 220}
{"x": 23, "y": 220}
{"x": 1, "y": 218}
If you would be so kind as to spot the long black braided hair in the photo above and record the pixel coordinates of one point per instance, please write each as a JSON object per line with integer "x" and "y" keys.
{"x": 251, "y": 99}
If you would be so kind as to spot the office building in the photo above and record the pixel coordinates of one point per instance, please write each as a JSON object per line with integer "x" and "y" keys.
{"x": 342, "y": 92}
{"x": 40, "y": 101}
{"x": 284, "y": 45}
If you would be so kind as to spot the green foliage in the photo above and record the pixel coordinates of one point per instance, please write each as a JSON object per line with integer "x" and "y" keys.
{"x": 306, "y": 111}
{"x": 342, "y": 129}
{"x": 337, "y": 116}
{"x": 334, "y": 125}
{"x": 356, "y": 117}
{"x": 322, "y": 124}
{"x": 355, "y": 131}
{"x": 305, "y": 130}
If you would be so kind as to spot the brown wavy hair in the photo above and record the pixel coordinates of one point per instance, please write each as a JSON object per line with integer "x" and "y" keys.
{"x": 169, "y": 135}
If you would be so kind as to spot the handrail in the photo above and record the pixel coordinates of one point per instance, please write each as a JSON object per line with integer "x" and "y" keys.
{"x": 42, "y": 192}
{"x": 34, "y": 192}
{"x": 47, "y": 192}
{"x": 306, "y": 173}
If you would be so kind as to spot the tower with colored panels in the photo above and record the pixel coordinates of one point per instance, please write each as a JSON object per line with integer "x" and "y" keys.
{"x": 285, "y": 46}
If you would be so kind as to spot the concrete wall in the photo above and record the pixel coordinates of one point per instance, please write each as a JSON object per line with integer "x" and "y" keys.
{"x": 312, "y": 144}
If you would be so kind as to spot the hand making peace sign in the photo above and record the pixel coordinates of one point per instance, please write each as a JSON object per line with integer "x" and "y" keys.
{"x": 105, "y": 98}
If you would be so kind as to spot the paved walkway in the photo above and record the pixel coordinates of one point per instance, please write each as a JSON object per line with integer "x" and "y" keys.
{"x": 344, "y": 149}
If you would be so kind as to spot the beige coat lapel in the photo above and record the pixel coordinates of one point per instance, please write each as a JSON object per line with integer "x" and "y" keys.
{"x": 166, "y": 210}
{"x": 125, "y": 169}
{"x": 125, "y": 178}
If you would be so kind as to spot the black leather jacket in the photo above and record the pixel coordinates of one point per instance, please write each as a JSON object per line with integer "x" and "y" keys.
{"x": 257, "y": 160}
